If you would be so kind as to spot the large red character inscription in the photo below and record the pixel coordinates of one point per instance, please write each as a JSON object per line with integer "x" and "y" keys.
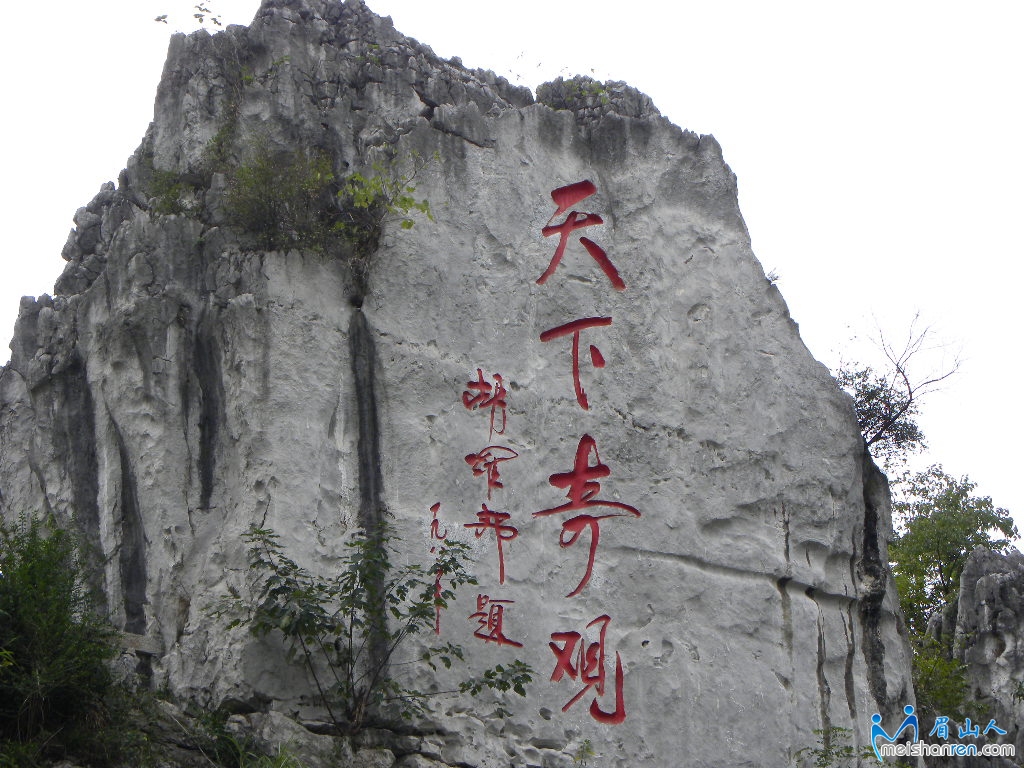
{"x": 582, "y": 485}
{"x": 486, "y": 463}
{"x": 490, "y": 614}
{"x": 596, "y": 358}
{"x": 588, "y": 667}
{"x": 489, "y": 520}
{"x": 482, "y": 394}
{"x": 566, "y": 197}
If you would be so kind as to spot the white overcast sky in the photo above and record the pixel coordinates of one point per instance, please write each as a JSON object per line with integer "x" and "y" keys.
{"x": 879, "y": 148}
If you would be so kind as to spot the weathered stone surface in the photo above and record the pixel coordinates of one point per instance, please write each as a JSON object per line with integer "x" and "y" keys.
{"x": 418, "y": 761}
{"x": 181, "y": 385}
{"x": 373, "y": 758}
{"x": 990, "y": 636}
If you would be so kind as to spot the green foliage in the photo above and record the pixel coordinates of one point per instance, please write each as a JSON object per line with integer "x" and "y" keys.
{"x": 346, "y": 629}
{"x": 223, "y": 748}
{"x": 940, "y": 681}
{"x": 292, "y": 200}
{"x": 832, "y": 750}
{"x": 579, "y": 91}
{"x": 56, "y": 691}
{"x": 367, "y": 202}
{"x": 516, "y": 676}
{"x": 583, "y": 753}
{"x": 942, "y": 523}
{"x": 887, "y": 400}
{"x": 170, "y": 193}
{"x": 217, "y": 153}
{"x": 283, "y": 198}
{"x": 886, "y": 411}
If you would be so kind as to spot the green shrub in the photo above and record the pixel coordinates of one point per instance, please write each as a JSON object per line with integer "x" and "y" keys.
{"x": 833, "y": 750}
{"x": 368, "y": 201}
{"x": 55, "y": 679}
{"x": 210, "y": 735}
{"x": 346, "y": 629}
{"x": 940, "y": 682}
{"x": 583, "y": 754}
{"x": 283, "y": 198}
{"x": 169, "y": 191}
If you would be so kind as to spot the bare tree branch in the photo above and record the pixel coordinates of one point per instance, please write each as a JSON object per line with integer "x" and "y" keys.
{"x": 887, "y": 401}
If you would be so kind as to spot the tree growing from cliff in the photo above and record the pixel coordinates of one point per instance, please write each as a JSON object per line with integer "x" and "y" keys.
{"x": 887, "y": 400}
{"x": 346, "y": 629}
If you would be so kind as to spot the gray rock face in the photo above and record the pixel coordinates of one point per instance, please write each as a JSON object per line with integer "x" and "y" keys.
{"x": 694, "y": 563}
{"x": 989, "y": 633}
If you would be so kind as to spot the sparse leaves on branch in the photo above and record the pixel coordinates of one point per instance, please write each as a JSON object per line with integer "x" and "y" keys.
{"x": 367, "y": 202}
{"x": 887, "y": 400}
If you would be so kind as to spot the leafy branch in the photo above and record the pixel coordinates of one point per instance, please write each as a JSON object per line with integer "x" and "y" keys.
{"x": 887, "y": 401}
{"x": 367, "y": 202}
{"x": 346, "y": 630}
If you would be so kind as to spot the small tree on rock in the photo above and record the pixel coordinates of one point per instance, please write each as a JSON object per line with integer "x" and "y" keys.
{"x": 887, "y": 400}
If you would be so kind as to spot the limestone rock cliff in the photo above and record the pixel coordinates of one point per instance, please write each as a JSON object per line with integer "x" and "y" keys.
{"x": 184, "y": 382}
{"x": 989, "y": 634}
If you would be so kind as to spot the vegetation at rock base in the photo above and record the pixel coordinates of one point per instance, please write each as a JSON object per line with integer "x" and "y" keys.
{"x": 345, "y": 629}
{"x": 832, "y": 750}
{"x": 57, "y": 692}
{"x": 940, "y": 680}
{"x": 209, "y": 734}
{"x": 583, "y": 754}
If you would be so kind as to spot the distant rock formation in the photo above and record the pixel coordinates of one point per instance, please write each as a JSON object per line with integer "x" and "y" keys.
{"x": 989, "y": 637}
{"x": 682, "y": 489}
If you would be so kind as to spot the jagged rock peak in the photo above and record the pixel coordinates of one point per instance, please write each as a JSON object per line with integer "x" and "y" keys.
{"x": 590, "y": 99}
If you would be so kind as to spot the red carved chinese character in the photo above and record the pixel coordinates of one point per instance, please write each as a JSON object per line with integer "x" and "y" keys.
{"x": 482, "y": 394}
{"x": 596, "y": 358}
{"x": 491, "y": 621}
{"x": 488, "y": 519}
{"x": 583, "y": 487}
{"x": 588, "y": 667}
{"x": 435, "y": 528}
{"x": 487, "y": 461}
{"x": 565, "y": 198}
